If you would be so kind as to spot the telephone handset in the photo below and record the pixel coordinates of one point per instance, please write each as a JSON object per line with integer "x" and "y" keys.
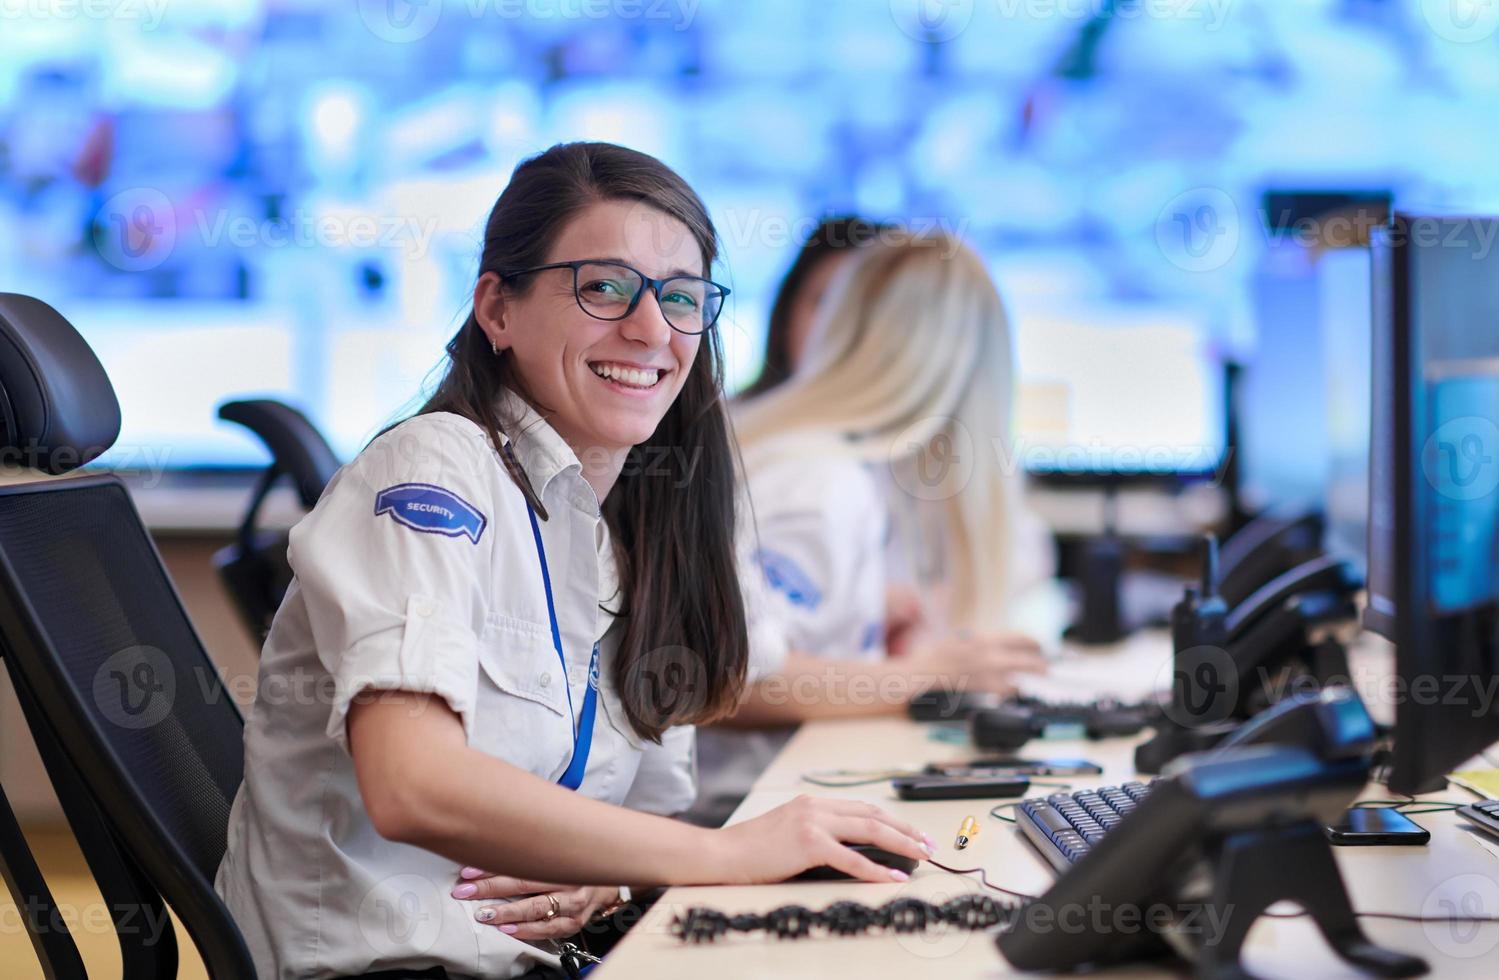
{"x": 1230, "y": 664}
{"x": 1325, "y": 574}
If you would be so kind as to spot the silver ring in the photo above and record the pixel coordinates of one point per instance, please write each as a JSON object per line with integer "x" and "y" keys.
{"x": 552, "y": 912}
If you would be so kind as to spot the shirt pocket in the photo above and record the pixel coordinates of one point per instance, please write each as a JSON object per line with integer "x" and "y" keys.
{"x": 521, "y": 715}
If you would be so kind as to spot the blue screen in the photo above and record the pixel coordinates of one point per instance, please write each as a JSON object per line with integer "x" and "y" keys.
{"x": 284, "y": 198}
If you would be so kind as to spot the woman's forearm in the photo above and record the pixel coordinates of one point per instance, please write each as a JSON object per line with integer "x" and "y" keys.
{"x": 808, "y": 688}
{"x": 424, "y": 786}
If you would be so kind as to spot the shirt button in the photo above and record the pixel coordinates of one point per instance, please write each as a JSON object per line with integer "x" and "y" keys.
{"x": 424, "y": 607}
{"x": 546, "y": 680}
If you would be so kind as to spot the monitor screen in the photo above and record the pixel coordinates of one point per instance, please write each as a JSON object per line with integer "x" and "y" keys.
{"x": 329, "y": 174}
{"x": 1437, "y": 475}
{"x": 1125, "y": 388}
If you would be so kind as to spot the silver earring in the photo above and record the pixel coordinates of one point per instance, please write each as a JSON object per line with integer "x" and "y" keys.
{"x": 494, "y": 347}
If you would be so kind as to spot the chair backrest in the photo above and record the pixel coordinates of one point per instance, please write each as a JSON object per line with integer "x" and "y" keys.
{"x": 297, "y": 448}
{"x": 255, "y": 569}
{"x": 146, "y": 742}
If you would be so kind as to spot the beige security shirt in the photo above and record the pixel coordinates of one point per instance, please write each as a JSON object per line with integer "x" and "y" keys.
{"x": 418, "y": 571}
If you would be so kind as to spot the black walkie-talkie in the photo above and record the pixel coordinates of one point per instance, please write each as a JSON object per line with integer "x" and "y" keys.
{"x": 1204, "y": 682}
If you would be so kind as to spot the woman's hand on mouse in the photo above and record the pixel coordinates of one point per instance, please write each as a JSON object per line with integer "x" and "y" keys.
{"x": 988, "y": 663}
{"x": 810, "y": 832}
{"x": 536, "y": 909}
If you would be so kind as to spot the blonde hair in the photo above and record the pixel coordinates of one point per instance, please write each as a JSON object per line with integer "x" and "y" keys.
{"x": 910, "y": 363}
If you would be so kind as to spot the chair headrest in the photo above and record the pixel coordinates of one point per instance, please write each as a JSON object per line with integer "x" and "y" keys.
{"x": 56, "y": 403}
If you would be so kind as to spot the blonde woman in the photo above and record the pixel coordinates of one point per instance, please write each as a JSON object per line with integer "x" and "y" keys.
{"x": 889, "y": 439}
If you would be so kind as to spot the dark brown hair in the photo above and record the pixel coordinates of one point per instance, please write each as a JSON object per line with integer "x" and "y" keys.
{"x": 672, "y": 521}
{"x": 831, "y": 237}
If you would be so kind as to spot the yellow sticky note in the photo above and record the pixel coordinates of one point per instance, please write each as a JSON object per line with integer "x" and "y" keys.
{"x": 1484, "y": 782}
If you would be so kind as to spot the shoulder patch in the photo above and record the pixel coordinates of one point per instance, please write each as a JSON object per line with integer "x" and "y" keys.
{"x": 431, "y": 509}
{"x": 787, "y": 577}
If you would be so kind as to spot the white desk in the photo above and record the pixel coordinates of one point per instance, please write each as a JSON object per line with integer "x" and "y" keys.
{"x": 1388, "y": 879}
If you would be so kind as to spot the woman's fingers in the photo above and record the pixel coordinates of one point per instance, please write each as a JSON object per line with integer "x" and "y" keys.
{"x": 855, "y": 808}
{"x": 570, "y": 904}
{"x": 558, "y": 928}
{"x": 856, "y": 865}
{"x": 502, "y": 886}
{"x": 872, "y": 830}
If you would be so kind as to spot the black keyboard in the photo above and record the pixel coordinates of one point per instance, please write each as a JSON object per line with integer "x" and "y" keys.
{"x": 1065, "y": 826}
{"x": 1484, "y": 816}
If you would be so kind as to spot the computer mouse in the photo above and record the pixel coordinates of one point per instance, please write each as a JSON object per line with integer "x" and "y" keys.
{"x": 876, "y": 854}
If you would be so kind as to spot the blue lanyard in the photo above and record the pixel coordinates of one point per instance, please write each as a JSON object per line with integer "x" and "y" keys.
{"x": 572, "y": 777}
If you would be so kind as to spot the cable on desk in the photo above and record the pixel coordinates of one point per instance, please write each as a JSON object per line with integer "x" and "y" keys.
{"x": 983, "y": 879}
{"x": 1399, "y": 806}
{"x": 1000, "y": 816}
{"x": 841, "y": 778}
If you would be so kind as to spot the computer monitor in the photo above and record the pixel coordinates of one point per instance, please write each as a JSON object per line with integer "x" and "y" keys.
{"x": 1302, "y": 406}
{"x": 1117, "y": 390}
{"x": 1436, "y": 356}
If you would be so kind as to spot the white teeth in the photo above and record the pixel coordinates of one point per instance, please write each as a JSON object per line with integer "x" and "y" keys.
{"x": 629, "y": 376}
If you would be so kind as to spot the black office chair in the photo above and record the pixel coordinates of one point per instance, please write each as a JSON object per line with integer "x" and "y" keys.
{"x": 254, "y": 568}
{"x": 139, "y": 736}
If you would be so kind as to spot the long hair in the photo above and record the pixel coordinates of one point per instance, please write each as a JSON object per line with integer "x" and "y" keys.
{"x": 909, "y": 367}
{"x": 672, "y": 521}
{"x": 832, "y": 236}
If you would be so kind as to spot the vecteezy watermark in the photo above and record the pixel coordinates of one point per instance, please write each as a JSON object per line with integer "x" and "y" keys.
{"x": 1476, "y": 236}
{"x": 669, "y": 684}
{"x": 1198, "y": 229}
{"x": 302, "y": 229}
{"x": 940, "y": 939}
{"x": 1461, "y": 21}
{"x": 936, "y": 21}
{"x": 753, "y": 227}
{"x": 147, "y": 13}
{"x": 1452, "y": 905}
{"x": 1211, "y": 12}
{"x": 120, "y": 919}
{"x": 1461, "y": 458}
{"x": 404, "y": 21}
{"x": 136, "y": 229}
{"x": 139, "y": 228}
{"x": 151, "y": 461}
{"x": 933, "y": 458}
{"x": 399, "y": 915}
{"x": 933, "y": 21}
{"x": 1204, "y": 686}
{"x": 1477, "y": 693}
{"x": 136, "y": 687}
{"x": 399, "y": 21}
{"x": 1098, "y": 457}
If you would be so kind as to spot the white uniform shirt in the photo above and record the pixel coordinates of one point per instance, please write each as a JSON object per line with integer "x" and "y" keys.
{"x": 431, "y": 588}
{"x": 818, "y": 547}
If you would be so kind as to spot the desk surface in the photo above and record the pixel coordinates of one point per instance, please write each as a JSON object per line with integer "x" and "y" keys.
{"x": 1454, "y": 874}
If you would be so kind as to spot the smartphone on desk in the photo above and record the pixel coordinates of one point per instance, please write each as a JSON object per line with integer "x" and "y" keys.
{"x": 999, "y": 766}
{"x": 958, "y": 788}
{"x": 1377, "y": 825}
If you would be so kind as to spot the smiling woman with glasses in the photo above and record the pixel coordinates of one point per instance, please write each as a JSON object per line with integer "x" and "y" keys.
{"x": 610, "y": 290}
{"x": 485, "y": 600}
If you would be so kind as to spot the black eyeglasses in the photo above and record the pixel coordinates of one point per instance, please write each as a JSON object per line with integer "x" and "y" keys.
{"x": 612, "y": 290}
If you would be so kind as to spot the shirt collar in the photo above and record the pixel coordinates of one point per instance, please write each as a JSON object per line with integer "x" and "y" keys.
{"x": 540, "y": 451}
